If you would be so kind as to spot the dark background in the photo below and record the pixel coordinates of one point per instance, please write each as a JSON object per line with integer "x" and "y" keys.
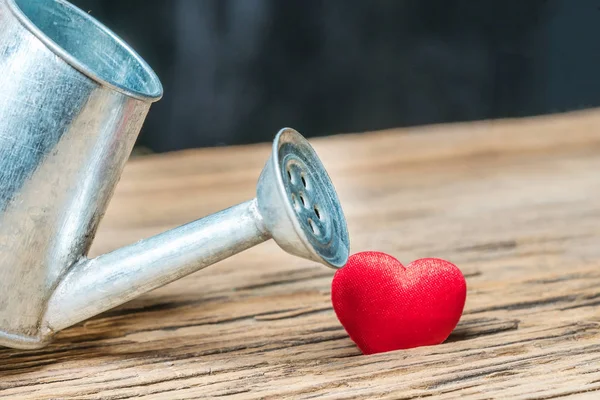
{"x": 235, "y": 71}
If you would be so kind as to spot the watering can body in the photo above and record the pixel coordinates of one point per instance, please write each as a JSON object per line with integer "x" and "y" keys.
{"x": 67, "y": 126}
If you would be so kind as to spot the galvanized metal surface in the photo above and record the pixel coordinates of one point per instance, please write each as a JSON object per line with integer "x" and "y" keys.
{"x": 73, "y": 98}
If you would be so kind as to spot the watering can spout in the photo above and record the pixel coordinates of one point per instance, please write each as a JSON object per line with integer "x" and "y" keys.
{"x": 296, "y": 205}
{"x": 96, "y": 285}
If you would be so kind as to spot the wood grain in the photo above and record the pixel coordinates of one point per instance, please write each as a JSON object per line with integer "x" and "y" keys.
{"x": 516, "y": 204}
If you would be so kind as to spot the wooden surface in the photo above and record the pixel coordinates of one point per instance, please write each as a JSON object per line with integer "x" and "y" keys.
{"x": 516, "y": 204}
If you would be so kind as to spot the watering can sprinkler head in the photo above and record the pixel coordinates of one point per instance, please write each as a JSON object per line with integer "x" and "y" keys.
{"x": 298, "y": 203}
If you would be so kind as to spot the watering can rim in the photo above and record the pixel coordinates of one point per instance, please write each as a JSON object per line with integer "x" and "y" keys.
{"x": 146, "y": 96}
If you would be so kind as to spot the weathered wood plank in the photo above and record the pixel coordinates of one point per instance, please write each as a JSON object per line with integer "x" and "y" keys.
{"x": 514, "y": 203}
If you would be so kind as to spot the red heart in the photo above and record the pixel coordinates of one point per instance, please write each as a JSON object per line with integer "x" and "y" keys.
{"x": 384, "y": 306}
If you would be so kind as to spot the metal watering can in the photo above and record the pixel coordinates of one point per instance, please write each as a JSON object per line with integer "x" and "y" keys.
{"x": 73, "y": 97}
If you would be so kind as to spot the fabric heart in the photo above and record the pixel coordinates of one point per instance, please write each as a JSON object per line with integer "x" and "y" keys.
{"x": 385, "y": 306}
